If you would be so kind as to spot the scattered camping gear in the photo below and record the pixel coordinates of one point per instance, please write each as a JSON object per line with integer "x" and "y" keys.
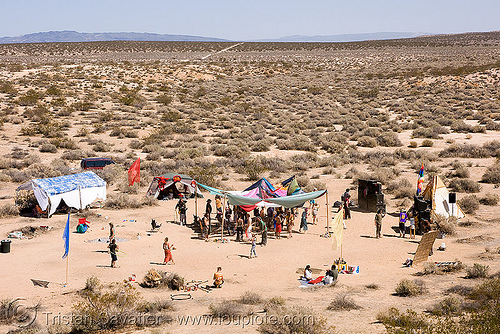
{"x": 370, "y": 196}
{"x": 75, "y": 190}
{"x": 170, "y": 186}
{"x": 82, "y": 226}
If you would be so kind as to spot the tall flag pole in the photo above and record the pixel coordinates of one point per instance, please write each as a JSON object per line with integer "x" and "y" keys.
{"x": 66, "y": 247}
{"x": 134, "y": 172}
{"x": 420, "y": 181}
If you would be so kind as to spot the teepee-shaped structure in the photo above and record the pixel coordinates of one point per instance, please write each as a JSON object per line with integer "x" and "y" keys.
{"x": 440, "y": 196}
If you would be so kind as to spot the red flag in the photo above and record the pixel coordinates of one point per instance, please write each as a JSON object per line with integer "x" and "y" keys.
{"x": 134, "y": 172}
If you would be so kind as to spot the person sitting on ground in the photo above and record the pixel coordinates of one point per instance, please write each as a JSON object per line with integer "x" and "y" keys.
{"x": 154, "y": 224}
{"x": 331, "y": 275}
{"x": 218, "y": 278}
{"x": 307, "y": 273}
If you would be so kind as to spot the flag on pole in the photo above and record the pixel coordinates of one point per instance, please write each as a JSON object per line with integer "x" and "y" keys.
{"x": 66, "y": 239}
{"x": 338, "y": 229}
{"x": 134, "y": 172}
{"x": 420, "y": 181}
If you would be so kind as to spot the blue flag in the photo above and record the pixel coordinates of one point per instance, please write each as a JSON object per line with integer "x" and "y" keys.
{"x": 66, "y": 239}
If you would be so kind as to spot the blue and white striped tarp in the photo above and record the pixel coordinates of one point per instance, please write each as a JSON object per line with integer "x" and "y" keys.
{"x": 63, "y": 184}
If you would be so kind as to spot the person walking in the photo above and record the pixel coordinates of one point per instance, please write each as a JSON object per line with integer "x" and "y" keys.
{"x": 303, "y": 221}
{"x": 378, "y": 223}
{"x": 346, "y": 199}
{"x": 254, "y": 244}
{"x": 167, "y": 248}
{"x": 263, "y": 227}
{"x": 113, "y": 248}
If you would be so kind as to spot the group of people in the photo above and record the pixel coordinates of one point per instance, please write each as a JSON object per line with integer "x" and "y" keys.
{"x": 330, "y": 276}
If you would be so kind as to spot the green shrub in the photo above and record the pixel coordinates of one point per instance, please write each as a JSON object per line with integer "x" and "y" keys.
{"x": 407, "y": 288}
{"x": 450, "y": 305}
{"x": 409, "y": 322}
{"x": 477, "y": 271}
{"x": 427, "y": 143}
{"x": 489, "y": 199}
{"x": 343, "y": 302}
{"x": 366, "y": 141}
{"x": 295, "y": 320}
{"x": 413, "y": 144}
{"x": 8, "y": 210}
{"x": 228, "y": 309}
{"x": 103, "y": 307}
{"x": 250, "y": 298}
{"x": 492, "y": 174}
{"x": 469, "y": 204}
{"x": 464, "y": 185}
{"x": 121, "y": 201}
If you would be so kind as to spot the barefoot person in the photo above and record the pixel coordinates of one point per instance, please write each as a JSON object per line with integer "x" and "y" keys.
{"x": 167, "y": 248}
{"x": 113, "y": 248}
{"x": 218, "y": 278}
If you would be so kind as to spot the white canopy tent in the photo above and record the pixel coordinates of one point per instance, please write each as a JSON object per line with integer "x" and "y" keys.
{"x": 76, "y": 190}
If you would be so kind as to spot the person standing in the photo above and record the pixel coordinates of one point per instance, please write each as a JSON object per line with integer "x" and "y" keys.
{"x": 167, "y": 248}
{"x": 277, "y": 231}
{"x": 208, "y": 208}
{"x": 378, "y": 223}
{"x": 403, "y": 216}
{"x": 113, "y": 248}
{"x": 182, "y": 208}
{"x": 263, "y": 227}
{"x": 218, "y": 207}
{"x": 289, "y": 222}
{"x": 314, "y": 211}
{"x": 303, "y": 221}
{"x": 111, "y": 231}
{"x": 346, "y": 199}
{"x": 254, "y": 244}
{"x": 239, "y": 230}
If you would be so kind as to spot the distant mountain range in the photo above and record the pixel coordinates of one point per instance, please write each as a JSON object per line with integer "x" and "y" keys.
{"x": 74, "y": 36}
{"x": 346, "y": 37}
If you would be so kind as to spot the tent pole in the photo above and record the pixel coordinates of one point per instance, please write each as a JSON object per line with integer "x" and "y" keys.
{"x": 80, "y": 194}
{"x": 327, "y": 215}
{"x": 67, "y": 269}
{"x": 196, "y": 202}
{"x": 223, "y": 216}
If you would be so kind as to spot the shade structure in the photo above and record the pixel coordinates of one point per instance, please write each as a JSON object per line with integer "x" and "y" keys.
{"x": 170, "y": 184}
{"x": 76, "y": 190}
{"x": 287, "y": 201}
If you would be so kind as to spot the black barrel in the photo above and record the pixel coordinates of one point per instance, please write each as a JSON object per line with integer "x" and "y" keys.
{"x": 5, "y": 246}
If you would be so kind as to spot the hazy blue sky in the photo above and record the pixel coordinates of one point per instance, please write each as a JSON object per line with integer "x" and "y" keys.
{"x": 249, "y": 19}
